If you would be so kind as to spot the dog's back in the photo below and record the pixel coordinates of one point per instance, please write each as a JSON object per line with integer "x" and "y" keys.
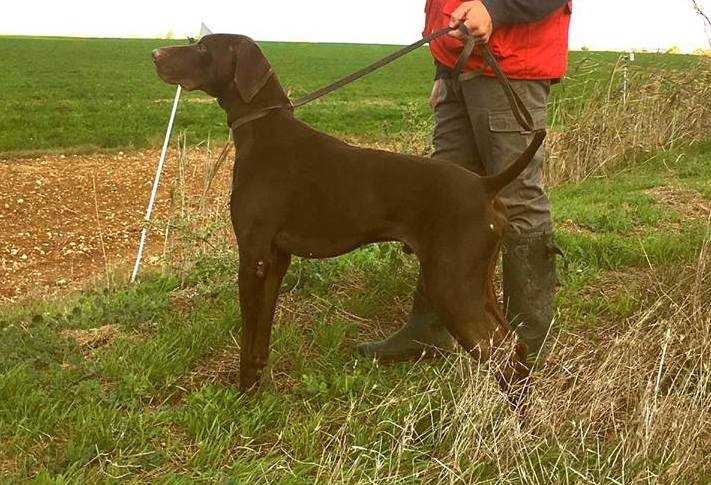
{"x": 318, "y": 183}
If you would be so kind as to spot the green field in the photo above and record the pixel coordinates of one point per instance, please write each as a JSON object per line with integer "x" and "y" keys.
{"x": 101, "y": 93}
{"x": 137, "y": 382}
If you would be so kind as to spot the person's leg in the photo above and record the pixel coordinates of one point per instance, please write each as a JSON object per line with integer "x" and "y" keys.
{"x": 528, "y": 250}
{"x": 453, "y": 141}
{"x": 452, "y": 137}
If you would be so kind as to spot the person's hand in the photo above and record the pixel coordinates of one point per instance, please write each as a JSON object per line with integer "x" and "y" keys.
{"x": 477, "y": 19}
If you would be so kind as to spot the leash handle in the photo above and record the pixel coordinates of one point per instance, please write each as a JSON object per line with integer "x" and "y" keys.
{"x": 467, "y": 50}
{"x": 520, "y": 111}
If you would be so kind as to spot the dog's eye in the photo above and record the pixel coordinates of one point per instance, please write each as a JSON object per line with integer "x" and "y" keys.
{"x": 201, "y": 48}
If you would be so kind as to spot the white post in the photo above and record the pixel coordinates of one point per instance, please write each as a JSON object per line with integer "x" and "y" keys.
{"x": 159, "y": 170}
{"x": 625, "y": 73}
{"x": 154, "y": 191}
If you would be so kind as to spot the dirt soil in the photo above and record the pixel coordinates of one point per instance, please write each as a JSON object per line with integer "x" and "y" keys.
{"x": 65, "y": 218}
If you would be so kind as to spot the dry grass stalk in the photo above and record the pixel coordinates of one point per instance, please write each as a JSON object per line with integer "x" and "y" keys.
{"x": 198, "y": 219}
{"x": 602, "y": 133}
{"x": 627, "y": 404}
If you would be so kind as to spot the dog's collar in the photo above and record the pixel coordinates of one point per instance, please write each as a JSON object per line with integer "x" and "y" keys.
{"x": 258, "y": 115}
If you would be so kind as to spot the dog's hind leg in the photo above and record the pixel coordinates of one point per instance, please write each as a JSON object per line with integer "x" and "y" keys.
{"x": 459, "y": 297}
{"x": 461, "y": 294}
{"x": 259, "y": 283}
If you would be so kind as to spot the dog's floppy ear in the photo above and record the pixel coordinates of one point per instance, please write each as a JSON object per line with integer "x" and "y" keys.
{"x": 252, "y": 69}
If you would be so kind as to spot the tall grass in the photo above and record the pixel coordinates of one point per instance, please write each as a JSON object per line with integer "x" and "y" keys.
{"x": 625, "y": 403}
{"x": 597, "y": 126}
{"x": 622, "y": 401}
{"x": 609, "y": 126}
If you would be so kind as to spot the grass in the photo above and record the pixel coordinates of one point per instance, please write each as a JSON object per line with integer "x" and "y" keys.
{"x": 138, "y": 383}
{"x": 82, "y": 94}
{"x": 609, "y": 127}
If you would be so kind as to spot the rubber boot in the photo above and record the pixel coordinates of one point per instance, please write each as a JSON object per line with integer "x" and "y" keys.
{"x": 423, "y": 335}
{"x": 529, "y": 288}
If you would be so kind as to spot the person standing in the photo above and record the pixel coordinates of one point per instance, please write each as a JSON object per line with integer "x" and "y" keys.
{"x": 475, "y": 128}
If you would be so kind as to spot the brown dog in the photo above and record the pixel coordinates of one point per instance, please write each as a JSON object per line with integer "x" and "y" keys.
{"x": 301, "y": 192}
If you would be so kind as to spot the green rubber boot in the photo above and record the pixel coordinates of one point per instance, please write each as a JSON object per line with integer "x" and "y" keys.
{"x": 529, "y": 288}
{"x": 423, "y": 335}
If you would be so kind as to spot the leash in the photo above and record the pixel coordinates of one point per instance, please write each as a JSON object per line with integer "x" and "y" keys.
{"x": 519, "y": 109}
{"x": 369, "y": 69}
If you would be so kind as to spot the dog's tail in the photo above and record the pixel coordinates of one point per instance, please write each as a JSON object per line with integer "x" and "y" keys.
{"x": 495, "y": 183}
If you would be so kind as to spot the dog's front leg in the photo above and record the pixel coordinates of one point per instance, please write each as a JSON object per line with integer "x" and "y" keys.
{"x": 259, "y": 283}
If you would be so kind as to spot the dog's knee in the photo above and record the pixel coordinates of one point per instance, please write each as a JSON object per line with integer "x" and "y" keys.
{"x": 251, "y": 267}
{"x": 260, "y": 269}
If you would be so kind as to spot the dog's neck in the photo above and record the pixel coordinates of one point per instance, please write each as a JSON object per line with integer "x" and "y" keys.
{"x": 272, "y": 95}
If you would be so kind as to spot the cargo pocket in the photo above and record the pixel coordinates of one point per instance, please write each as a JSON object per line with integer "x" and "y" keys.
{"x": 505, "y": 121}
{"x": 507, "y": 139}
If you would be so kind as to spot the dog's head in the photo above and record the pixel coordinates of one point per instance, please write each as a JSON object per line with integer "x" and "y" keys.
{"x": 218, "y": 64}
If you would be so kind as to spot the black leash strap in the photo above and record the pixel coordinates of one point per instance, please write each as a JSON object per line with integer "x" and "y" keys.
{"x": 521, "y": 113}
{"x": 523, "y": 116}
{"x": 519, "y": 109}
{"x": 369, "y": 69}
